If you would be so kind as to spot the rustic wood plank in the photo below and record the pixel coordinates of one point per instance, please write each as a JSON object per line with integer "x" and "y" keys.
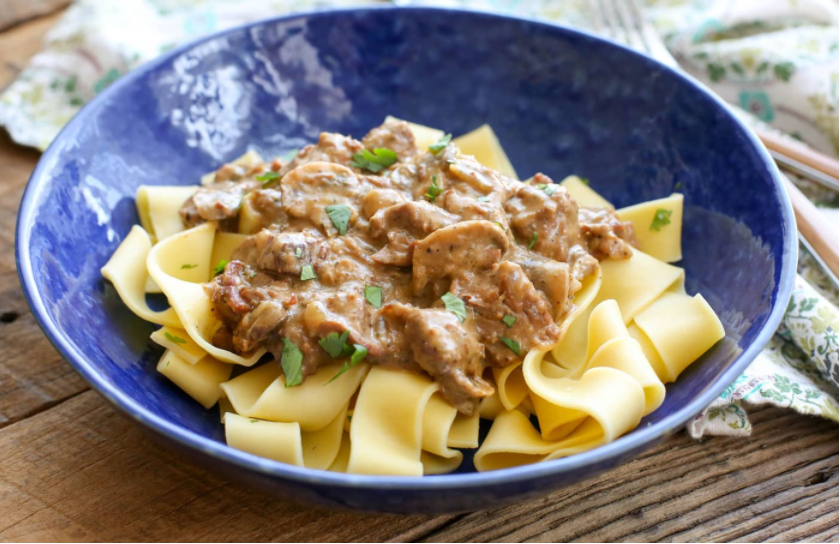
{"x": 79, "y": 471}
{"x": 32, "y": 374}
{"x": 719, "y": 490}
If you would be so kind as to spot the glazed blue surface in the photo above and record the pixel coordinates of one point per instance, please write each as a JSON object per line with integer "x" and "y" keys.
{"x": 562, "y": 102}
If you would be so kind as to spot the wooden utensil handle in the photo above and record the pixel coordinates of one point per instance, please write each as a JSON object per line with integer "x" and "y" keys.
{"x": 800, "y": 152}
{"x": 820, "y": 233}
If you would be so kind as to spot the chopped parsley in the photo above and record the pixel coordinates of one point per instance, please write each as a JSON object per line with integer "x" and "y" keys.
{"x": 585, "y": 181}
{"x": 373, "y": 294}
{"x": 359, "y": 353}
{"x": 290, "y": 361}
{"x": 548, "y": 188}
{"x": 509, "y": 320}
{"x": 268, "y": 177}
{"x": 442, "y": 142}
{"x": 307, "y": 273}
{"x": 382, "y": 157}
{"x": 483, "y": 199}
{"x": 298, "y": 252}
{"x": 678, "y": 185}
{"x": 661, "y": 218}
{"x": 433, "y": 191}
{"x": 290, "y": 155}
{"x": 336, "y": 345}
{"x": 340, "y": 216}
{"x": 254, "y": 420}
{"x": 188, "y": 266}
{"x": 533, "y": 241}
{"x": 455, "y": 305}
{"x": 173, "y": 338}
{"x": 220, "y": 267}
{"x": 512, "y": 344}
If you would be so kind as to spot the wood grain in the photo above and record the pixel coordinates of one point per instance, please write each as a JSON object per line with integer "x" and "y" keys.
{"x": 81, "y": 472}
{"x": 72, "y": 469}
{"x": 32, "y": 374}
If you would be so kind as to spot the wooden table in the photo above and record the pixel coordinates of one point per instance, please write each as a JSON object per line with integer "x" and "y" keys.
{"x": 72, "y": 469}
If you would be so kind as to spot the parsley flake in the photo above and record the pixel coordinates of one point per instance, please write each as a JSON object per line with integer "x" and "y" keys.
{"x": 442, "y": 142}
{"x": 220, "y": 267}
{"x": 307, "y": 273}
{"x": 678, "y": 185}
{"x": 298, "y": 252}
{"x": 359, "y": 353}
{"x": 373, "y": 294}
{"x": 290, "y": 361}
{"x": 433, "y": 191}
{"x": 455, "y": 305}
{"x": 585, "y": 181}
{"x": 509, "y": 320}
{"x": 382, "y": 157}
{"x": 188, "y": 266}
{"x": 340, "y": 216}
{"x": 268, "y": 177}
{"x": 533, "y": 241}
{"x": 512, "y": 344}
{"x": 483, "y": 199}
{"x": 254, "y": 420}
{"x": 661, "y": 218}
{"x": 548, "y": 188}
{"x": 173, "y": 338}
{"x": 336, "y": 345}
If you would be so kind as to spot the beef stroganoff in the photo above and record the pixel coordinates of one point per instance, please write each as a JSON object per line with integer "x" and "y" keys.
{"x": 382, "y": 295}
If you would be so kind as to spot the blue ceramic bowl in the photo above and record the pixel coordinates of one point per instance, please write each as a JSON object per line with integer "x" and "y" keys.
{"x": 561, "y": 101}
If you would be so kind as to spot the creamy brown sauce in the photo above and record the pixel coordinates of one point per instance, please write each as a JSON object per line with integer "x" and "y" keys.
{"x": 428, "y": 226}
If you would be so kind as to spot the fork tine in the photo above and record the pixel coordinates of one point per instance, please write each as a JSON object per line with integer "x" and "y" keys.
{"x": 597, "y": 16}
{"x": 613, "y": 29}
{"x": 653, "y": 42}
{"x": 632, "y": 27}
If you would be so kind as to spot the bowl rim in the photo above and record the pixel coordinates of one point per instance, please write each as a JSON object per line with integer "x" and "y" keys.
{"x": 632, "y": 443}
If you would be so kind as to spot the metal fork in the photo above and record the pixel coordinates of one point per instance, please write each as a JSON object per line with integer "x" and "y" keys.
{"x": 623, "y": 21}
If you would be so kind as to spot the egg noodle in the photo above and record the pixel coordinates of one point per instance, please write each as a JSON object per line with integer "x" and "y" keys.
{"x": 633, "y": 329}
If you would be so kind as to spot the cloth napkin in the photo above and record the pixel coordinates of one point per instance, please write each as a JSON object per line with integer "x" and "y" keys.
{"x": 776, "y": 59}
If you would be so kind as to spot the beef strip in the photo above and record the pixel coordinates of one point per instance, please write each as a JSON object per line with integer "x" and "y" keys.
{"x": 506, "y": 290}
{"x": 546, "y": 223}
{"x": 469, "y": 246}
{"x": 403, "y": 224}
{"x": 217, "y": 202}
{"x": 606, "y": 236}
{"x": 310, "y": 188}
{"x": 445, "y": 349}
{"x": 394, "y": 135}
{"x": 331, "y": 147}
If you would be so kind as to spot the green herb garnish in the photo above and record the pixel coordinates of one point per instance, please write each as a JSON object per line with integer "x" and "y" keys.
{"x": 188, "y": 266}
{"x": 433, "y": 190}
{"x": 483, "y": 199}
{"x": 509, "y": 320}
{"x": 512, "y": 344}
{"x": 290, "y": 362}
{"x": 678, "y": 185}
{"x": 336, "y": 345}
{"x": 173, "y": 338}
{"x": 533, "y": 241}
{"x": 307, "y": 273}
{"x": 548, "y": 188}
{"x": 267, "y": 178}
{"x": 382, "y": 157}
{"x": 220, "y": 267}
{"x": 340, "y": 216}
{"x": 298, "y": 252}
{"x": 440, "y": 144}
{"x": 254, "y": 420}
{"x": 585, "y": 181}
{"x": 359, "y": 353}
{"x": 373, "y": 294}
{"x": 661, "y": 218}
{"x": 455, "y": 305}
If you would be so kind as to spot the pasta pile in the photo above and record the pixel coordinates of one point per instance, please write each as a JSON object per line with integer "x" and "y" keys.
{"x": 633, "y": 329}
